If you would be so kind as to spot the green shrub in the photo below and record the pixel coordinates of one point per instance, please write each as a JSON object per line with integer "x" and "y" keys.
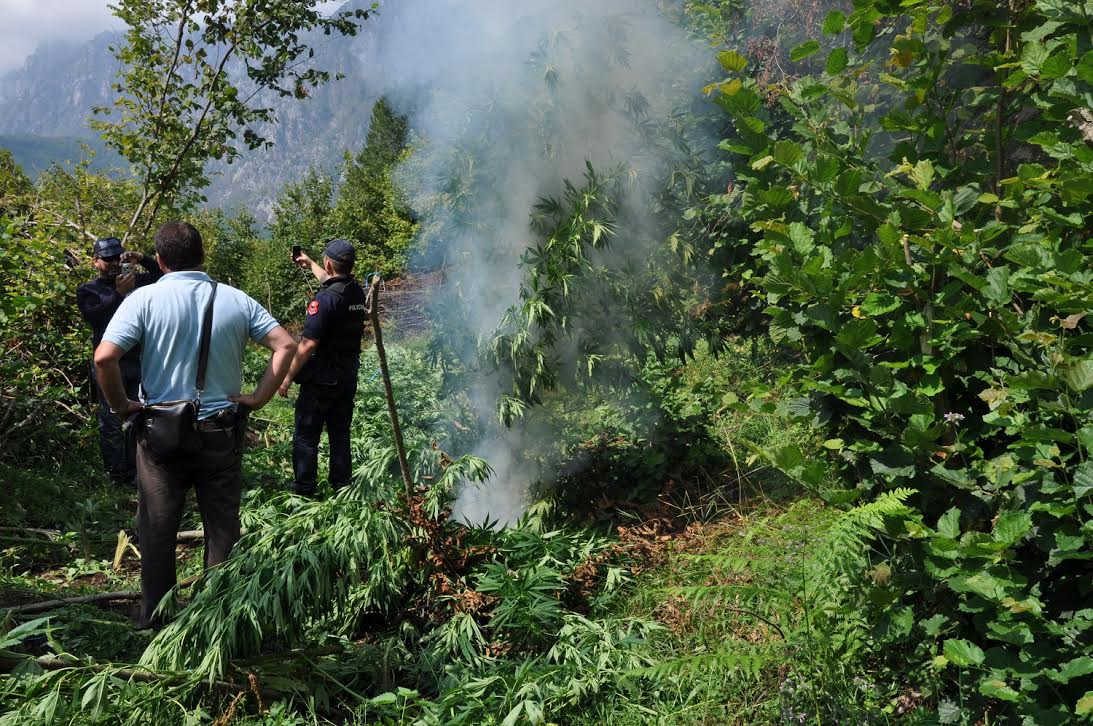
{"x": 917, "y": 209}
{"x": 45, "y": 348}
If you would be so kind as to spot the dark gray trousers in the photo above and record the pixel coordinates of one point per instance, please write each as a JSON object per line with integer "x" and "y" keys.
{"x": 216, "y": 477}
{"x": 116, "y": 448}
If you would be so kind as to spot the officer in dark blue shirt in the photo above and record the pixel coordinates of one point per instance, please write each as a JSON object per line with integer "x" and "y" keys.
{"x": 97, "y": 301}
{"x": 325, "y": 365}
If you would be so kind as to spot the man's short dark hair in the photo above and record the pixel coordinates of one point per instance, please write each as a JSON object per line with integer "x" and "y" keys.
{"x": 179, "y": 245}
{"x": 340, "y": 267}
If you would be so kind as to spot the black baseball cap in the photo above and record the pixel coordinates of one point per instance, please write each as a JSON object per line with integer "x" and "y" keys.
{"x": 340, "y": 251}
{"x": 107, "y": 247}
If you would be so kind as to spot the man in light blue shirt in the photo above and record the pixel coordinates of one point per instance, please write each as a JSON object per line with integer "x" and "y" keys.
{"x": 169, "y": 319}
{"x": 166, "y": 319}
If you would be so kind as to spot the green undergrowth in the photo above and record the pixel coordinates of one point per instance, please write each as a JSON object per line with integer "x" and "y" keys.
{"x": 693, "y": 599}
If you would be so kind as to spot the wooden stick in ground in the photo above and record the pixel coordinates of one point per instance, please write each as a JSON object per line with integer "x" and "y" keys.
{"x": 400, "y": 447}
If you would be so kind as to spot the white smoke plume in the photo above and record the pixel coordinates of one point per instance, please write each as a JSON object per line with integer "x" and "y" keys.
{"x": 507, "y": 100}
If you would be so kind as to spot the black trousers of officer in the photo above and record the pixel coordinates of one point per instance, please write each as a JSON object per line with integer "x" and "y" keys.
{"x": 119, "y": 452}
{"x": 317, "y": 406}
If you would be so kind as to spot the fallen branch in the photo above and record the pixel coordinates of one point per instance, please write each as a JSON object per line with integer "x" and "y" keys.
{"x": 196, "y": 535}
{"x": 185, "y": 536}
{"x": 99, "y": 597}
{"x": 126, "y": 672}
{"x": 48, "y": 533}
{"x": 60, "y": 662}
{"x": 34, "y": 541}
{"x": 96, "y": 598}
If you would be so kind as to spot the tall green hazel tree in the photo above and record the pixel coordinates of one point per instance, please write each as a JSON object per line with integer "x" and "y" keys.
{"x": 916, "y": 214}
{"x": 196, "y": 75}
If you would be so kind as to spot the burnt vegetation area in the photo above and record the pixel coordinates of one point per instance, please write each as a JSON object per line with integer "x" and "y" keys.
{"x": 781, "y": 416}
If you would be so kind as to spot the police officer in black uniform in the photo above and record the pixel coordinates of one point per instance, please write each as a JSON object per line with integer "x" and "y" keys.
{"x": 326, "y": 364}
{"x": 97, "y": 301}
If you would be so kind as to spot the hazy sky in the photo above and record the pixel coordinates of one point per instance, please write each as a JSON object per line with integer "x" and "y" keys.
{"x": 26, "y": 23}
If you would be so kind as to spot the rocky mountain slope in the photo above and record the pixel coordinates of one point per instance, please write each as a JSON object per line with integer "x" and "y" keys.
{"x": 53, "y": 95}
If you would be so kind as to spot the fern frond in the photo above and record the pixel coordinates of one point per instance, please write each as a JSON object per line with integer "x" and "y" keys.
{"x": 843, "y": 556}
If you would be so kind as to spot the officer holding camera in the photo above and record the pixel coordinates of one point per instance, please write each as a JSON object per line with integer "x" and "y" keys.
{"x": 98, "y": 300}
{"x": 325, "y": 365}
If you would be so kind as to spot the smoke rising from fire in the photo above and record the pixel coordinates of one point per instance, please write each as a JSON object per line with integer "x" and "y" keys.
{"x": 506, "y": 101}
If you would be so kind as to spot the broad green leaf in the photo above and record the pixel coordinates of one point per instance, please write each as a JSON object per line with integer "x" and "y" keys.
{"x": 762, "y": 163}
{"x": 963, "y": 652}
{"x": 836, "y": 62}
{"x": 732, "y": 87}
{"x": 787, "y": 152}
{"x": 997, "y": 688}
{"x": 922, "y": 174}
{"x": 1085, "y": 67}
{"x": 1072, "y": 669}
{"x": 834, "y": 22}
{"x": 998, "y": 289}
{"x": 948, "y": 525}
{"x": 932, "y": 625}
{"x": 1015, "y": 633}
{"x": 738, "y": 99}
{"x": 1033, "y": 56}
{"x": 1083, "y": 479}
{"x": 859, "y": 334}
{"x": 864, "y": 34}
{"x": 849, "y": 182}
{"x": 1056, "y": 66}
{"x": 754, "y": 125}
{"x": 877, "y": 303}
{"x": 804, "y": 50}
{"x": 1079, "y": 374}
{"x": 802, "y": 238}
{"x": 1011, "y": 527}
{"x": 1084, "y": 706}
{"x": 384, "y": 699}
{"x": 1085, "y": 438}
{"x": 732, "y": 61}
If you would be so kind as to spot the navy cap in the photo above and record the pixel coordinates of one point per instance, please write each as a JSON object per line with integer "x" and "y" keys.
{"x": 108, "y": 247}
{"x": 340, "y": 250}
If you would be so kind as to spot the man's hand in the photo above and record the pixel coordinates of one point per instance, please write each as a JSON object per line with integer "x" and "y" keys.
{"x": 284, "y": 348}
{"x": 250, "y": 400}
{"x": 303, "y": 262}
{"x": 283, "y": 388}
{"x": 125, "y": 283}
{"x": 130, "y": 409}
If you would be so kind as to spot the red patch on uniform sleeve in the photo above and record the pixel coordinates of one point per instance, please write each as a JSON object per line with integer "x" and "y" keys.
{"x": 313, "y": 307}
